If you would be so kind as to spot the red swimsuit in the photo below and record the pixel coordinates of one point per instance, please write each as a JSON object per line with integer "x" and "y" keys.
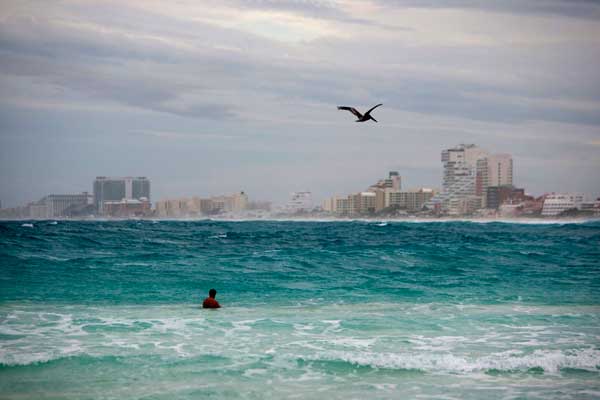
{"x": 210, "y": 302}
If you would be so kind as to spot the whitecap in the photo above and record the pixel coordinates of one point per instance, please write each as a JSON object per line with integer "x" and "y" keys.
{"x": 353, "y": 342}
{"x": 551, "y": 361}
{"x": 250, "y": 372}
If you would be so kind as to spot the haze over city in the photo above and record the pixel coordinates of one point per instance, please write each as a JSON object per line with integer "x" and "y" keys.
{"x": 220, "y": 96}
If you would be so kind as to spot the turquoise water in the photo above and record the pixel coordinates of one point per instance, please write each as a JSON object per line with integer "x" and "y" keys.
{"x": 336, "y": 310}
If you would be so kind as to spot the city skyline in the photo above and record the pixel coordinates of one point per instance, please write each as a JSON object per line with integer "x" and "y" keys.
{"x": 481, "y": 174}
{"x": 195, "y": 93}
{"x": 476, "y": 182}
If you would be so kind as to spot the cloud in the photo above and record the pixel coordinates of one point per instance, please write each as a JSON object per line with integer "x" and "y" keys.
{"x": 181, "y": 135}
{"x": 267, "y": 77}
{"x": 327, "y": 10}
{"x": 589, "y": 9}
{"x": 211, "y": 72}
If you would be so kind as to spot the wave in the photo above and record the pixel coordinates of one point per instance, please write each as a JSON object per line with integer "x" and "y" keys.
{"x": 550, "y": 361}
{"x": 12, "y": 360}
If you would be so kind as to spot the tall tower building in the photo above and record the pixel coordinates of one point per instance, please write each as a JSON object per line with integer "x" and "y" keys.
{"x": 117, "y": 189}
{"x": 495, "y": 170}
{"x": 459, "y": 194}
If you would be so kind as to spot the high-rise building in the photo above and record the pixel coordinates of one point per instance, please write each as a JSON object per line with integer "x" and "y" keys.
{"x": 459, "y": 182}
{"x": 117, "y": 189}
{"x": 494, "y": 170}
{"x": 468, "y": 173}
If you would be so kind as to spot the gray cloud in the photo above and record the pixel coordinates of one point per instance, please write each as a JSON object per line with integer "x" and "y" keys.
{"x": 171, "y": 72}
{"x": 318, "y": 9}
{"x": 87, "y": 77}
{"x": 589, "y": 9}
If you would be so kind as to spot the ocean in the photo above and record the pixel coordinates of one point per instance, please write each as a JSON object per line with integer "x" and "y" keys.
{"x": 310, "y": 310}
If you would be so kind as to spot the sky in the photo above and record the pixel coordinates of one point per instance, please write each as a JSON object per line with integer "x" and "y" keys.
{"x": 212, "y": 97}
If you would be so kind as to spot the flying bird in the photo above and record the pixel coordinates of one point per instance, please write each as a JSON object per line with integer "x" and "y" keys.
{"x": 361, "y": 117}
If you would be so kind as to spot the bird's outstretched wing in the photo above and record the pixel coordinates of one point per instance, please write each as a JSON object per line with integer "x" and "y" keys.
{"x": 352, "y": 110}
{"x": 367, "y": 113}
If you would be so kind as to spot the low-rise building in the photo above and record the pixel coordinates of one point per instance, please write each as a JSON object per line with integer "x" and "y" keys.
{"x": 197, "y": 206}
{"x": 345, "y": 206}
{"x": 38, "y": 211}
{"x": 497, "y": 195}
{"x": 60, "y": 205}
{"x": 410, "y": 200}
{"x": 172, "y": 208}
{"x": 557, "y": 203}
{"x": 299, "y": 202}
{"x": 592, "y": 207}
{"x": 330, "y": 204}
{"x": 126, "y": 208}
{"x": 468, "y": 205}
{"x": 259, "y": 206}
{"x": 365, "y": 202}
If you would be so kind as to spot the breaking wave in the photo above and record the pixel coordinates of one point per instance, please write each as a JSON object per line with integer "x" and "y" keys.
{"x": 550, "y": 361}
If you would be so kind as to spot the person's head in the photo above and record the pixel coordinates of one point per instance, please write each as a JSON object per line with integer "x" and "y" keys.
{"x": 212, "y": 293}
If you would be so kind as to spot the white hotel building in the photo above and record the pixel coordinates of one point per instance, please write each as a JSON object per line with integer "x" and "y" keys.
{"x": 555, "y": 204}
{"x": 468, "y": 172}
{"x": 458, "y": 185}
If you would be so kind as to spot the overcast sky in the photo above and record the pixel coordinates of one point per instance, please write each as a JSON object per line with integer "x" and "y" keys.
{"x": 211, "y": 97}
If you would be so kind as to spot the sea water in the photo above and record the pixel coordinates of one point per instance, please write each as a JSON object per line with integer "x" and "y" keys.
{"x": 334, "y": 310}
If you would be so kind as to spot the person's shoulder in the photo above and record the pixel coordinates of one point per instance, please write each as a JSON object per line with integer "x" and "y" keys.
{"x": 210, "y": 303}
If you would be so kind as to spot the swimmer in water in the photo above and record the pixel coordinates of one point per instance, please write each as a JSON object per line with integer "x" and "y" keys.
{"x": 210, "y": 301}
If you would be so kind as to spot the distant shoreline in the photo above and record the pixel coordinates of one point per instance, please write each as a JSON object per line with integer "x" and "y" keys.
{"x": 534, "y": 220}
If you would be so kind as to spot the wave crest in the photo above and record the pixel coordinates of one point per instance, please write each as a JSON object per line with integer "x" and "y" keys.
{"x": 550, "y": 361}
